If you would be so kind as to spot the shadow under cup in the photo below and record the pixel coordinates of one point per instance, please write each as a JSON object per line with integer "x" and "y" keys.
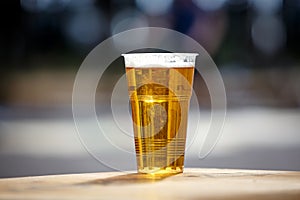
{"x": 160, "y": 88}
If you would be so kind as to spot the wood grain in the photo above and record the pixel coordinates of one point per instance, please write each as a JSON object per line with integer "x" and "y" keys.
{"x": 192, "y": 184}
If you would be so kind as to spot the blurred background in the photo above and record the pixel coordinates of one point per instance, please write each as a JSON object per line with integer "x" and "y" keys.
{"x": 255, "y": 44}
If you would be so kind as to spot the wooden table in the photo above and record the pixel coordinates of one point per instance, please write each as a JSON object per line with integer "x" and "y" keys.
{"x": 192, "y": 184}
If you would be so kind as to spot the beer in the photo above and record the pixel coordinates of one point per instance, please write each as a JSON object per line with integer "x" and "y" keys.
{"x": 159, "y": 98}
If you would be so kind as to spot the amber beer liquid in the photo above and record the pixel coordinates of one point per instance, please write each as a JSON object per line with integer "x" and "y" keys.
{"x": 159, "y": 96}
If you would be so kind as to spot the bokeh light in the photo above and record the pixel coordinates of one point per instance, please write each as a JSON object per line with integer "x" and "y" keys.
{"x": 125, "y": 20}
{"x": 85, "y": 27}
{"x": 210, "y": 5}
{"x": 267, "y": 6}
{"x": 268, "y": 34}
{"x": 44, "y": 5}
{"x": 154, "y": 7}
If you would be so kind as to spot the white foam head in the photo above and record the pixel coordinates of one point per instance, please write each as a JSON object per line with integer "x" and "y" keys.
{"x": 144, "y": 60}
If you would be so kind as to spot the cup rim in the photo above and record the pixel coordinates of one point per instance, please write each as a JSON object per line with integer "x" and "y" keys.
{"x": 157, "y": 60}
{"x": 152, "y": 53}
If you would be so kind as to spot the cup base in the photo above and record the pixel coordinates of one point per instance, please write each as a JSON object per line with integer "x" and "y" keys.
{"x": 161, "y": 171}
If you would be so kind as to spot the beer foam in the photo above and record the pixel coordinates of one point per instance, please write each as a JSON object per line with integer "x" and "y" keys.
{"x": 159, "y": 60}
